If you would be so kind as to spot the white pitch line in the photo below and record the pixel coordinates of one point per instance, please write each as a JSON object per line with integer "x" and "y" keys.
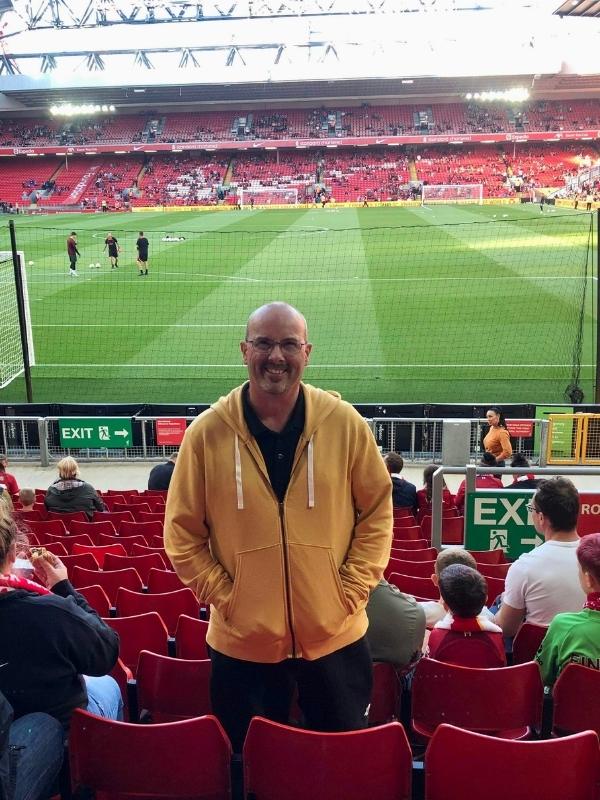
{"x": 131, "y": 325}
{"x": 316, "y": 366}
{"x": 356, "y": 279}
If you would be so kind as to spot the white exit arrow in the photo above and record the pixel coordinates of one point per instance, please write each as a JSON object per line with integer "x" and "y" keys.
{"x": 537, "y": 540}
{"x": 121, "y": 433}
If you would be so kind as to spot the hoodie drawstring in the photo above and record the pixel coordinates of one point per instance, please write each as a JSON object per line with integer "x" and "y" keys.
{"x": 311, "y": 475}
{"x": 238, "y": 475}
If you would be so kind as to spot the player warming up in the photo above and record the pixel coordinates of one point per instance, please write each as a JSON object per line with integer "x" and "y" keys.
{"x": 142, "y": 246}
{"x": 113, "y": 250}
{"x": 73, "y": 253}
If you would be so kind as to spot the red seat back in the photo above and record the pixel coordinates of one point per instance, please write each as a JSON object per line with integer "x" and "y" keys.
{"x": 295, "y": 764}
{"x": 130, "y": 761}
{"x": 527, "y": 641}
{"x": 111, "y": 582}
{"x": 99, "y": 551}
{"x": 145, "y": 529}
{"x": 576, "y": 698}
{"x": 407, "y": 533}
{"x": 421, "y": 588}
{"x": 137, "y": 633}
{"x": 69, "y": 517}
{"x": 190, "y": 638}
{"x": 488, "y": 556}
{"x": 171, "y": 689}
{"x": 142, "y": 550}
{"x": 423, "y": 554}
{"x": 57, "y": 548}
{"x": 126, "y": 541}
{"x": 553, "y": 769}
{"x": 493, "y": 570}
{"x": 143, "y": 564}
{"x": 410, "y": 544}
{"x": 56, "y": 527}
{"x": 85, "y": 560}
{"x": 97, "y": 598}
{"x": 68, "y": 541}
{"x": 169, "y": 605}
{"x": 477, "y": 699}
{"x": 419, "y": 569}
{"x": 163, "y": 580}
{"x": 93, "y": 529}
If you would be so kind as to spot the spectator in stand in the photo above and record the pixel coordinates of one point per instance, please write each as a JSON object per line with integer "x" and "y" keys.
{"x": 27, "y": 499}
{"x": 404, "y": 494}
{"x": 497, "y": 439}
{"x": 160, "y": 475}
{"x": 396, "y": 626}
{"x": 61, "y": 640}
{"x": 31, "y": 754}
{"x": 6, "y": 479}
{"x": 528, "y": 481}
{"x": 465, "y": 636}
{"x": 69, "y": 493}
{"x": 545, "y": 582}
{"x": 574, "y": 638}
{"x": 425, "y": 494}
{"x": 434, "y": 609}
{"x": 481, "y": 481}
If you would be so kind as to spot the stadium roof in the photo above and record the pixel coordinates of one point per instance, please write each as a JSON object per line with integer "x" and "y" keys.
{"x": 246, "y": 51}
{"x": 579, "y": 8}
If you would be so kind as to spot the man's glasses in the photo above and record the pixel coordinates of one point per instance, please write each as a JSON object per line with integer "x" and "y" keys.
{"x": 530, "y": 507}
{"x": 290, "y": 347}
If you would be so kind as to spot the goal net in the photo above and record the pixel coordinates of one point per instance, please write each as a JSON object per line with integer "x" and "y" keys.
{"x": 11, "y": 352}
{"x": 267, "y": 196}
{"x": 452, "y": 193}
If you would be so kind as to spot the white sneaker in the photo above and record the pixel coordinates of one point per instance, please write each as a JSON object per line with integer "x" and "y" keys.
{"x": 73, "y": 273}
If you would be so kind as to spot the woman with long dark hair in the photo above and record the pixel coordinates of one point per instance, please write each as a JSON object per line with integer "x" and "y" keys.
{"x": 497, "y": 439}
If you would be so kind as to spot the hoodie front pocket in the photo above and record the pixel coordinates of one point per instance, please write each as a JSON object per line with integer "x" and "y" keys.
{"x": 319, "y": 604}
{"x": 257, "y": 605}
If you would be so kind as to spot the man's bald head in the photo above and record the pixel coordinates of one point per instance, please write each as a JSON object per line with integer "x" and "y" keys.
{"x": 275, "y": 310}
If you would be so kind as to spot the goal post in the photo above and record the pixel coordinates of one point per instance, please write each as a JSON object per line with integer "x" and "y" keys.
{"x": 12, "y": 361}
{"x": 267, "y": 196}
{"x": 452, "y": 193}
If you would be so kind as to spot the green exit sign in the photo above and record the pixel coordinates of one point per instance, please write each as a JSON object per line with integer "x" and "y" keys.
{"x": 97, "y": 433}
{"x": 498, "y": 519}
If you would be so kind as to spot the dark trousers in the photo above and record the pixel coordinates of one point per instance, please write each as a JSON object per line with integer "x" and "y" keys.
{"x": 334, "y": 691}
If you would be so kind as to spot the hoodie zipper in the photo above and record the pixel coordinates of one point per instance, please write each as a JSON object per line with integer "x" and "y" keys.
{"x": 286, "y": 570}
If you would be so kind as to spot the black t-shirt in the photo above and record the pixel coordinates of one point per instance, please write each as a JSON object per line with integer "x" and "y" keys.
{"x": 277, "y": 448}
{"x": 112, "y": 246}
{"x": 142, "y": 245}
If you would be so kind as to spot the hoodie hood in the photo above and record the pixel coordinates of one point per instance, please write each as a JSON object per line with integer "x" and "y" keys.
{"x": 66, "y": 486}
{"x": 319, "y": 404}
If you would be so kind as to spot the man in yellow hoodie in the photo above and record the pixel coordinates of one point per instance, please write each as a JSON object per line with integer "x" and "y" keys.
{"x": 280, "y": 516}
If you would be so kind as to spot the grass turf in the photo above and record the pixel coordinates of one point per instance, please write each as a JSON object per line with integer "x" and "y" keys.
{"x": 467, "y": 304}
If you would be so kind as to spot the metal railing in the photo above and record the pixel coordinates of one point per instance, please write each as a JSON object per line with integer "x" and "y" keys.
{"x": 418, "y": 439}
{"x": 471, "y": 471}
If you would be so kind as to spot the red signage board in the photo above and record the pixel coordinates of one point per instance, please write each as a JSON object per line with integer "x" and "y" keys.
{"x": 520, "y": 428}
{"x": 170, "y": 431}
{"x": 589, "y": 513}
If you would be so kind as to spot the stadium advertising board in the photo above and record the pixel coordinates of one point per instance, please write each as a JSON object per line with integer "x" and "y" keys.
{"x": 110, "y": 433}
{"x": 498, "y": 519}
{"x": 589, "y": 513}
{"x": 170, "y": 430}
{"x": 520, "y": 428}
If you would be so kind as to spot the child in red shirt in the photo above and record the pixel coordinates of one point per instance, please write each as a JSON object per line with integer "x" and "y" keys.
{"x": 465, "y": 637}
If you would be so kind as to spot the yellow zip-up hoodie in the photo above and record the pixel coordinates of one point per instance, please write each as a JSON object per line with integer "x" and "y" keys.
{"x": 284, "y": 580}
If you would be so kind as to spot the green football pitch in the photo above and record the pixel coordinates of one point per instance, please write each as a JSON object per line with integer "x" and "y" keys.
{"x": 440, "y": 304}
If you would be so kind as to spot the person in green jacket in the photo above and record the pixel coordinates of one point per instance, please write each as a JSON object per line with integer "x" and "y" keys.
{"x": 574, "y": 637}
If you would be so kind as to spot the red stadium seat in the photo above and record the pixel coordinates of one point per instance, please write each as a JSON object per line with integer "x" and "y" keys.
{"x": 576, "y": 698}
{"x": 97, "y": 598}
{"x": 190, "y": 638}
{"x": 503, "y": 701}
{"x": 56, "y": 527}
{"x": 527, "y": 641}
{"x": 99, "y": 551}
{"x": 142, "y": 550}
{"x": 111, "y": 582}
{"x": 295, "y": 764}
{"x": 143, "y": 564}
{"x": 145, "y": 529}
{"x": 85, "y": 560}
{"x": 163, "y": 580}
{"x": 488, "y": 556}
{"x": 116, "y": 517}
{"x": 130, "y": 761}
{"x": 132, "y": 506}
{"x": 171, "y": 689}
{"x": 57, "y": 548}
{"x": 411, "y": 544}
{"x": 68, "y": 541}
{"x": 407, "y": 533}
{"x": 126, "y": 541}
{"x": 493, "y": 570}
{"x": 93, "y": 529}
{"x": 123, "y": 677}
{"x": 554, "y": 769}
{"x": 419, "y": 569}
{"x": 385, "y": 695}
{"x": 137, "y": 633}
{"x": 421, "y": 588}
{"x": 425, "y": 554}
{"x": 169, "y": 605}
